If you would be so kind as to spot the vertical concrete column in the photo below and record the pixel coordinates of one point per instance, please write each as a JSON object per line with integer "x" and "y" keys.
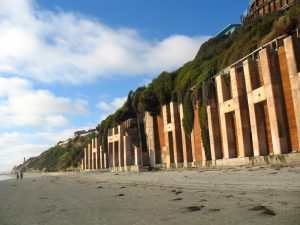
{"x": 227, "y": 136}
{"x": 166, "y": 154}
{"x": 137, "y": 156}
{"x": 100, "y": 157}
{"x": 105, "y": 160}
{"x": 256, "y": 114}
{"x": 273, "y": 93}
{"x": 120, "y": 147}
{"x": 127, "y": 151}
{"x": 214, "y": 130}
{"x": 202, "y": 149}
{"x": 193, "y": 146}
{"x": 241, "y": 112}
{"x": 113, "y": 153}
{"x": 292, "y": 45}
{"x": 116, "y": 147}
{"x": 149, "y": 130}
{"x": 103, "y": 163}
{"x": 177, "y": 144}
{"x": 82, "y": 164}
{"x": 183, "y": 136}
{"x": 85, "y": 159}
{"x": 89, "y": 156}
{"x": 98, "y": 153}
{"x": 120, "y": 150}
{"x": 115, "y": 156}
{"x": 93, "y": 151}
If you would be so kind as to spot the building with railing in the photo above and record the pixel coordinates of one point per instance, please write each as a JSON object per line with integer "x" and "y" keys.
{"x": 263, "y": 7}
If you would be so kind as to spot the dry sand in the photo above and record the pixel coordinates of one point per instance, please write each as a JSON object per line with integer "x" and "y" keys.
{"x": 257, "y": 195}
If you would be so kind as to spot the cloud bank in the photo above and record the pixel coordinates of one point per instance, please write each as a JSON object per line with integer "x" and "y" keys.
{"x": 72, "y": 48}
{"x": 37, "y": 45}
{"x": 14, "y": 146}
{"x": 109, "y": 107}
{"x": 22, "y": 105}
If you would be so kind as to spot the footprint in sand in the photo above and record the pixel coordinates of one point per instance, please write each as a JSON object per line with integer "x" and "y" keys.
{"x": 120, "y": 195}
{"x": 43, "y": 198}
{"x": 99, "y": 187}
{"x": 264, "y": 210}
{"x": 195, "y": 208}
{"x": 214, "y": 210}
{"x": 63, "y": 210}
{"x": 229, "y": 196}
{"x": 122, "y": 187}
{"x": 46, "y": 211}
{"x": 177, "y": 199}
{"x": 51, "y": 208}
{"x": 176, "y": 192}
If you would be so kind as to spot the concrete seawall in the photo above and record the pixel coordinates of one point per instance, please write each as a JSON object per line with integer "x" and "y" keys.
{"x": 253, "y": 119}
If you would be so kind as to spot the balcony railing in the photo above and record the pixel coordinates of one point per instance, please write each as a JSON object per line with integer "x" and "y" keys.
{"x": 274, "y": 44}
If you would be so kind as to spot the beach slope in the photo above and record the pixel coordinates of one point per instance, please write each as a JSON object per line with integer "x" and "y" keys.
{"x": 258, "y": 195}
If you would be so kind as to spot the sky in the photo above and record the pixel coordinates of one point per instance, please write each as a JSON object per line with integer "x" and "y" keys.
{"x": 67, "y": 64}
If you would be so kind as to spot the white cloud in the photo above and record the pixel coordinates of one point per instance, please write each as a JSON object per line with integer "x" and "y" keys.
{"x": 109, "y": 107}
{"x": 69, "y": 47}
{"x": 22, "y": 105}
{"x": 104, "y": 106}
{"x": 14, "y": 154}
{"x": 118, "y": 102}
{"x": 14, "y": 146}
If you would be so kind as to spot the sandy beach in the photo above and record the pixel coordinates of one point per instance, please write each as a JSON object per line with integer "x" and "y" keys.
{"x": 257, "y": 195}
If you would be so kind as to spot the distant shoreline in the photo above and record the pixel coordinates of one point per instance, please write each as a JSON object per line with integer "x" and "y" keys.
{"x": 6, "y": 177}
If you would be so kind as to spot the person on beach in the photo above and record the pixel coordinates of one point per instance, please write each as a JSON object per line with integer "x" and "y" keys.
{"x": 21, "y": 174}
{"x": 17, "y": 175}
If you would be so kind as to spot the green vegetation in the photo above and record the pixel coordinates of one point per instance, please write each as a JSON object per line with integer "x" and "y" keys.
{"x": 188, "y": 112}
{"x": 60, "y": 158}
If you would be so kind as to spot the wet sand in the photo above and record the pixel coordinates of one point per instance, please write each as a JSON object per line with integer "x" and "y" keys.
{"x": 257, "y": 195}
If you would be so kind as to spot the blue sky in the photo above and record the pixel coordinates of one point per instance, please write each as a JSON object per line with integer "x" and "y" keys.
{"x": 66, "y": 64}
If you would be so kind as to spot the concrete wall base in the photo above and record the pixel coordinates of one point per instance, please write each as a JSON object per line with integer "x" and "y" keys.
{"x": 133, "y": 168}
{"x": 285, "y": 159}
{"x": 97, "y": 170}
{"x": 188, "y": 165}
